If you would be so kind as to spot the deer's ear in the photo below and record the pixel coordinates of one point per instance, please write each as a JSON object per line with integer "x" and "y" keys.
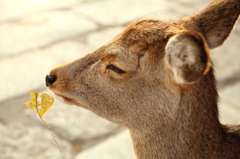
{"x": 187, "y": 55}
{"x": 216, "y": 21}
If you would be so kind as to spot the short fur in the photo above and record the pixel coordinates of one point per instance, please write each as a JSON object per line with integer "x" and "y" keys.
{"x": 161, "y": 85}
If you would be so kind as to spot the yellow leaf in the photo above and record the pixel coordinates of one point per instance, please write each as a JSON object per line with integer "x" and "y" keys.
{"x": 45, "y": 104}
{"x": 33, "y": 103}
{"x": 42, "y": 102}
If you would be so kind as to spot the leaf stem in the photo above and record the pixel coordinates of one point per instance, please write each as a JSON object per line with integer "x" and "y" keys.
{"x": 52, "y": 135}
{"x": 36, "y": 101}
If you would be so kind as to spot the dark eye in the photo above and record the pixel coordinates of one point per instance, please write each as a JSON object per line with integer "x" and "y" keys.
{"x": 115, "y": 69}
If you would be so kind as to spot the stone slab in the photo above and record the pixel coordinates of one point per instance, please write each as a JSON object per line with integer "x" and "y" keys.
{"x": 116, "y": 147}
{"x": 17, "y": 8}
{"x": 232, "y": 95}
{"x": 228, "y": 113}
{"x": 41, "y": 29}
{"x": 25, "y": 73}
{"x": 98, "y": 38}
{"x": 179, "y": 9}
{"x": 20, "y": 141}
{"x": 194, "y": 5}
{"x": 230, "y": 103}
{"x": 13, "y": 111}
{"x": 119, "y": 12}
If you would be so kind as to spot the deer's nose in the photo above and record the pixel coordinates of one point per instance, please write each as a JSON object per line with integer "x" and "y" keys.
{"x": 50, "y": 79}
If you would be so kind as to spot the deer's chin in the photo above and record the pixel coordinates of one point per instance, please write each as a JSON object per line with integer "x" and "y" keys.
{"x": 64, "y": 99}
{"x": 70, "y": 100}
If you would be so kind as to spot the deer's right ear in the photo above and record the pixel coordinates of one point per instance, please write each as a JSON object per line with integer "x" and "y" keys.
{"x": 216, "y": 21}
{"x": 187, "y": 55}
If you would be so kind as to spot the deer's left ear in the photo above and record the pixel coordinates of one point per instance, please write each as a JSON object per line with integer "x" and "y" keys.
{"x": 187, "y": 55}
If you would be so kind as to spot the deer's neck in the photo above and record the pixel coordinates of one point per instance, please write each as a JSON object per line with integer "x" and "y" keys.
{"x": 194, "y": 131}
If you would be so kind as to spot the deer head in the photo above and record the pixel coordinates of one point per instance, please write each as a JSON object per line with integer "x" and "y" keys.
{"x": 154, "y": 74}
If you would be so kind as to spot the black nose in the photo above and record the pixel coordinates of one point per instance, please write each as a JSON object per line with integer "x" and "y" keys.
{"x": 50, "y": 79}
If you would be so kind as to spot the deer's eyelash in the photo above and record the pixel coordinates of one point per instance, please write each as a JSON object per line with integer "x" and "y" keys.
{"x": 115, "y": 69}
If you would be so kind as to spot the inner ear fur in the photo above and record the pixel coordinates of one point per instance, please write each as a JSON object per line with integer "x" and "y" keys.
{"x": 187, "y": 55}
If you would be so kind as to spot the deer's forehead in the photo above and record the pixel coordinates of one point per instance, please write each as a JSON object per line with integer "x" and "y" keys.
{"x": 137, "y": 37}
{"x": 151, "y": 29}
{"x": 117, "y": 52}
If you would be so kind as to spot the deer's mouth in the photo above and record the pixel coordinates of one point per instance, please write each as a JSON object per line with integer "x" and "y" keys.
{"x": 70, "y": 100}
{"x": 65, "y": 99}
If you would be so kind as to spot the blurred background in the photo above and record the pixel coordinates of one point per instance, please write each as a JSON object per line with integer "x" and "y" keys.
{"x": 36, "y": 35}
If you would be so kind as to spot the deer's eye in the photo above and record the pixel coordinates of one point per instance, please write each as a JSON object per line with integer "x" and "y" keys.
{"x": 115, "y": 69}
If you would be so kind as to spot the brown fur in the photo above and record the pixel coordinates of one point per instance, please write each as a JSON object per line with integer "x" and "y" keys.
{"x": 169, "y": 107}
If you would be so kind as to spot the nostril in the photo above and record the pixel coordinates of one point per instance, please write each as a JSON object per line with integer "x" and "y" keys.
{"x": 50, "y": 79}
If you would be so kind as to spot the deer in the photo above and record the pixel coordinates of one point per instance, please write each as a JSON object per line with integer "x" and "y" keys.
{"x": 156, "y": 78}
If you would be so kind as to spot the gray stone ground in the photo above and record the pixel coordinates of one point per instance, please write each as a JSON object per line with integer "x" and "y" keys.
{"x": 36, "y": 35}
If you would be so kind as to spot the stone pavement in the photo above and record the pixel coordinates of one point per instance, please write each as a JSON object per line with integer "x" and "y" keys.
{"x": 37, "y": 35}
